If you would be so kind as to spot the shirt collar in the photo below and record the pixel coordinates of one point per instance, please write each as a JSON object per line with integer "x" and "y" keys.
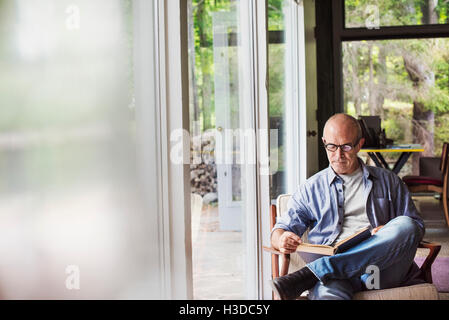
{"x": 367, "y": 172}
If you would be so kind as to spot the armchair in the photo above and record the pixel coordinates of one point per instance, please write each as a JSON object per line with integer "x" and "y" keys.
{"x": 282, "y": 264}
{"x": 432, "y": 179}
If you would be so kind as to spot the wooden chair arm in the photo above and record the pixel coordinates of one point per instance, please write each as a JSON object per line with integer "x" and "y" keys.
{"x": 426, "y": 268}
{"x": 272, "y": 250}
{"x": 285, "y": 261}
{"x": 429, "y": 245}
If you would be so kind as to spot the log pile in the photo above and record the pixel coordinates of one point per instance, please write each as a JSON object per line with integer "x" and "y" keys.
{"x": 203, "y": 171}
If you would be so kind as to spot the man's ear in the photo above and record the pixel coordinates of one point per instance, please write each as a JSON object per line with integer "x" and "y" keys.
{"x": 361, "y": 142}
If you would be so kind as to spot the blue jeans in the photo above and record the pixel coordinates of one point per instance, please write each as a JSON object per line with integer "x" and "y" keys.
{"x": 392, "y": 250}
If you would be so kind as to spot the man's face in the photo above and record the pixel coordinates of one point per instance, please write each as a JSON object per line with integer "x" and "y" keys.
{"x": 342, "y": 133}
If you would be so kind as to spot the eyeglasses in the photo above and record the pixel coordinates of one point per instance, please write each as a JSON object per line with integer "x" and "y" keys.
{"x": 344, "y": 147}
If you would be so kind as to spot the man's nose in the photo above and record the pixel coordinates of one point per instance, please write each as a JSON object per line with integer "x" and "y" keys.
{"x": 339, "y": 152}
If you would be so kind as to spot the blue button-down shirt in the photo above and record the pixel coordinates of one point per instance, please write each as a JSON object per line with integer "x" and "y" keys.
{"x": 318, "y": 204}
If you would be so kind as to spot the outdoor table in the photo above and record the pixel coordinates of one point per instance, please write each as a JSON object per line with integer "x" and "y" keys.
{"x": 405, "y": 151}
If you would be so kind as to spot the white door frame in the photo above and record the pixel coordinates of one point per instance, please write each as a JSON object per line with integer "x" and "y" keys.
{"x": 165, "y": 63}
{"x": 296, "y": 111}
{"x": 295, "y": 123}
{"x": 177, "y": 175}
{"x": 254, "y": 33}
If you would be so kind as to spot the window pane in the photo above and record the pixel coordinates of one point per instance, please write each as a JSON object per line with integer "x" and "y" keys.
{"x": 373, "y": 14}
{"x": 406, "y": 83}
{"x": 70, "y": 201}
{"x": 220, "y": 84}
{"x": 285, "y": 94}
{"x": 276, "y": 92}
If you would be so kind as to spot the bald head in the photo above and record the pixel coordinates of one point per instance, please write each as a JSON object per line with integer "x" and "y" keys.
{"x": 343, "y": 122}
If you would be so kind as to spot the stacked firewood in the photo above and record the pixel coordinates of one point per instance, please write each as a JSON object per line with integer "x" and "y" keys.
{"x": 203, "y": 171}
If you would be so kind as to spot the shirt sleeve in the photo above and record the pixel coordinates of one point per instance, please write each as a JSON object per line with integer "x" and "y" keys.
{"x": 296, "y": 218}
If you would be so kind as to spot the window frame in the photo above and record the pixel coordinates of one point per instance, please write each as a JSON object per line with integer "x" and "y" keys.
{"x": 161, "y": 73}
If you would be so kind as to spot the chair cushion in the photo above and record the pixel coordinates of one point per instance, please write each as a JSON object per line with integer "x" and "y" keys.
{"x": 430, "y": 167}
{"x": 425, "y": 291}
{"x": 420, "y": 180}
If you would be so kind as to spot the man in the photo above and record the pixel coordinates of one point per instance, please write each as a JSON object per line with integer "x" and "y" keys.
{"x": 335, "y": 203}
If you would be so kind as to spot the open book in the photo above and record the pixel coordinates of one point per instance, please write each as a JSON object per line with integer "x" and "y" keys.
{"x": 310, "y": 252}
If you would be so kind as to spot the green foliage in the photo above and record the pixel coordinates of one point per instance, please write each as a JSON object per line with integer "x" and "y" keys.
{"x": 436, "y": 99}
{"x": 396, "y": 121}
{"x": 276, "y": 80}
{"x": 204, "y": 72}
{"x": 393, "y": 12}
{"x": 443, "y": 11}
{"x": 203, "y": 11}
{"x": 275, "y": 15}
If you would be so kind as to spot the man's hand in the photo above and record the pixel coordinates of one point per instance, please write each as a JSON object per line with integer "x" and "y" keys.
{"x": 285, "y": 241}
{"x": 376, "y": 229}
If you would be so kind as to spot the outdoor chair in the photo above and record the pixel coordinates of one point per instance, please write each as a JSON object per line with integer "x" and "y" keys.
{"x": 282, "y": 264}
{"x": 433, "y": 178}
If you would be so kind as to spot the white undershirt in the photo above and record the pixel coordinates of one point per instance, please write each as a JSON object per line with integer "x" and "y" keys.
{"x": 355, "y": 216}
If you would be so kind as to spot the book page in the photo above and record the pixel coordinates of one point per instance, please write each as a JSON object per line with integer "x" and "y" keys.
{"x": 353, "y": 240}
{"x": 339, "y": 243}
{"x": 316, "y": 248}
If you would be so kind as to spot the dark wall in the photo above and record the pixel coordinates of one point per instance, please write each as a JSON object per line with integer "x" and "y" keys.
{"x": 328, "y": 69}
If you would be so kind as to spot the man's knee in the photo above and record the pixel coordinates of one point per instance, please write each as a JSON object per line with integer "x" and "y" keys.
{"x": 407, "y": 224}
{"x": 406, "y": 227}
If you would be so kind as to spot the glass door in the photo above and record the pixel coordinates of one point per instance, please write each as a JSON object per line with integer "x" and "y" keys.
{"x": 226, "y": 94}
{"x": 222, "y": 89}
{"x": 235, "y": 118}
